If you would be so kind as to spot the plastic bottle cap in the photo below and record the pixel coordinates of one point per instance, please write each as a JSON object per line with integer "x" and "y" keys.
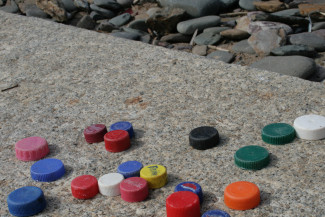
{"x": 84, "y": 187}
{"x": 155, "y": 175}
{"x": 47, "y": 170}
{"x": 134, "y": 189}
{"x": 95, "y": 133}
{"x": 183, "y": 204}
{"x": 31, "y": 148}
{"x": 215, "y": 213}
{"x": 242, "y": 195}
{"x": 252, "y": 157}
{"x": 117, "y": 141}
{"x": 123, "y": 125}
{"x": 130, "y": 168}
{"x": 26, "y": 201}
{"x": 190, "y": 186}
{"x": 203, "y": 138}
{"x": 310, "y": 127}
{"x": 109, "y": 184}
{"x": 278, "y": 133}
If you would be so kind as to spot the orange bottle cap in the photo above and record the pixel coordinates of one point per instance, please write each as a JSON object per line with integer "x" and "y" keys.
{"x": 242, "y": 195}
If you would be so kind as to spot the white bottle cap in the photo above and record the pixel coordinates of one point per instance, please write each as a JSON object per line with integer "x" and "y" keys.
{"x": 310, "y": 127}
{"x": 109, "y": 184}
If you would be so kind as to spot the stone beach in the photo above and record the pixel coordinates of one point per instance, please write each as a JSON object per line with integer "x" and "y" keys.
{"x": 56, "y": 80}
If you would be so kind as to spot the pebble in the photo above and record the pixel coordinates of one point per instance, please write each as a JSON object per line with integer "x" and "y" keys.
{"x": 127, "y": 35}
{"x": 308, "y": 39}
{"x": 235, "y": 34}
{"x": 317, "y": 26}
{"x": 266, "y": 40}
{"x": 288, "y": 12}
{"x": 82, "y": 4}
{"x": 69, "y": 5}
{"x": 269, "y": 6}
{"x": 12, "y": 8}
{"x": 135, "y": 31}
{"x": 107, "y": 14}
{"x": 121, "y": 19}
{"x": 108, "y": 4}
{"x": 96, "y": 16}
{"x": 194, "y": 8}
{"x": 86, "y": 22}
{"x": 2, "y": 2}
{"x": 53, "y": 8}
{"x": 243, "y": 47}
{"x": 223, "y": 56}
{"x": 297, "y": 66}
{"x": 291, "y": 50}
{"x": 216, "y": 30}
{"x": 176, "y": 38}
{"x": 189, "y": 26}
{"x": 247, "y": 4}
{"x": 200, "y": 50}
{"x": 266, "y": 25}
{"x": 139, "y": 24}
{"x": 207, "y": 38}
{"x": 125, "y": 3}
{"x": 34, "y": 11}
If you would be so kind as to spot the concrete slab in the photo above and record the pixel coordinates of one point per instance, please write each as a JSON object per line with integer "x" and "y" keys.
{"x": 65, "y": 79}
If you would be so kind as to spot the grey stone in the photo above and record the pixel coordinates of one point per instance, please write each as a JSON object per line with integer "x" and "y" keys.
{"x": 125, "y": 3}
{"x": 86, "y": 22}
{"x": 176, "y": 38}
{"x": 216, "y": 30}
{"x": 165, "y": 21}
{"x": 200, "y": 50}
{"x": 297, "y": 66}
{"x": 106, "y": 26}
{"x": 105, "y": 13}
{"x": 223, "y": 56}
{"x": 320, "y": 33}
{"x": 247, "y": 4}
{"x": 34, "y": 11}
{"x": 243, "y": 47}
{"x": 2, "y": 2}
{"x": 145, "y": 38}
{"x": 266, "y": 40}
{"x": 134, "y": 31}
{"x": 54, "y": 8}
{"x": 317, "y": 26}
{"x": 11, "y": 8}
{"x": 139, "y": 24}
{"x": 194, "y": 8}
{"x": 76, "y": 18}
{"x": 127, "y": 35}
{"x": 108, "y": 4}
{"x": 96, "y": 16}
{"x": 309, "y": 39}
{"x": 69, "y": 5}
{"x": 189, "y": 26}
{"x": 235, "y": 34}
{"x": 288, "y": 12}
{"x": 267, "y": 25}
{"x": 82, "y": 4}
{"x": 121, "y": 19}
{"x": 292, "y": 50}
{"x": 225, "y": 5}
{"x": 69, "y": 78}
{"x": 207, "y": 38}
{"x": 151, "y": 11}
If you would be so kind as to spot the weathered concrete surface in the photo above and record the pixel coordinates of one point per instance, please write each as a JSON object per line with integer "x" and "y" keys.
{"x": 70, "y": 78}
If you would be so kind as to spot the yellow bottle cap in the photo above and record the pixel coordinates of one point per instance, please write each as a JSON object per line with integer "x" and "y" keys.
{"x": 156, "y": 175}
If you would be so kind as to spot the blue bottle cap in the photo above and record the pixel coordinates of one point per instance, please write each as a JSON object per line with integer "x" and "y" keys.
{"x": 215, "y": 213}
{"x": 130, "y": 169}
{"x": 123, "y": 125}
{"x": 26, "y": 201}
{"x": 47, "y": 170}
{"x": 190, "y": 186}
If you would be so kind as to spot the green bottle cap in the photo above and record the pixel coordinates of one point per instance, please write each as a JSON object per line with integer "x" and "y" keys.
{"x": 278, "y": 133}
{"x": 252, "y": 157}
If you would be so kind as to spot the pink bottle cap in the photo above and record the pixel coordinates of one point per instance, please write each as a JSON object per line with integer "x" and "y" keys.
{"x": 31, "y": 148}
{"x": 134, "y": 189}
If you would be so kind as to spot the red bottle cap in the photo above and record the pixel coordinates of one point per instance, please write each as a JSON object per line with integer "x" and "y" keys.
{"x": 117, "y": 140}
{"x": 134, "y": 189}
{"x": 183, "y": 204}
{"x": 95, "y": 133}
{"x": 31, "y": 148}
{"x": 84, "y": 187}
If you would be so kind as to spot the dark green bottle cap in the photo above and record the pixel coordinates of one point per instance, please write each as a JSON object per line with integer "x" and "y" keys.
{"x": 252, "y": 157}
{"x": 278, "y": 133}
